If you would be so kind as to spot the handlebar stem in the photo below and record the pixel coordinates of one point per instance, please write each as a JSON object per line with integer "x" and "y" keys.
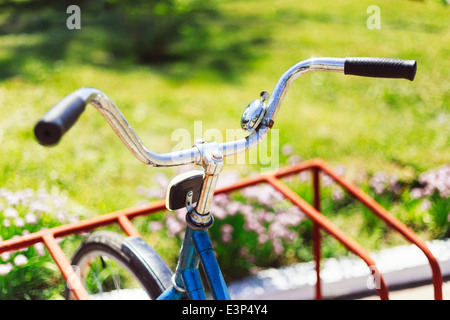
{"x": 212, "y": 161}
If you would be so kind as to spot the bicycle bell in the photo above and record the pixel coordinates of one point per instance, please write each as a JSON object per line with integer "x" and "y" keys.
{"x": 254, "y": 113}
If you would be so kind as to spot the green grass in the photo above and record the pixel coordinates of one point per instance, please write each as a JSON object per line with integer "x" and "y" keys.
{"x": 372, "y": 124}
{"x": 368, "y": 125}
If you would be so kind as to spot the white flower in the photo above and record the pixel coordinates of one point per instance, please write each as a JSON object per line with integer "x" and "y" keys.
{"x": 6, "y": 223}
{"x": 287, "y": 149}
{"x": 425, "y": 205}
{"x": 233, "y": 207}
{"x": 5, "y": 268}
{"x": 12, "y": 199}
{"x": 155, "y": 226}
{"x": 340, "y": 170}
{"x": 19, "y": 222}
{"x": 227, "y": 228}
{"x": 20, "y": 260}
{"x": 40, "y": 249}
{"x": 31, "y": 218}
{"x": 161, "y": 179}
{"x": 11, "y": 213}
{"x": 326, "y": 180}
{"x": 304, "y": 176}
{"x": 293, "y": 160}
{"x": 337, "y": 194}
{"x": 173, "y": 225}
{"x": 38, "y": 206}
{"x": 416, "y": 193}
{"x": 6, "y": 256}
{"x": 221, "y": 199}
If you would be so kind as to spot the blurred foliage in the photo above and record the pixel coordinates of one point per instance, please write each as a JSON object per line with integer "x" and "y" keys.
{"x": 139, "y": 30}
{"x": 121, "y": 33}
{"x": 29, "y": 211}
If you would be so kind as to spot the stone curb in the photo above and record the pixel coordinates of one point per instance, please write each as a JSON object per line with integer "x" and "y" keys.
{"x": 400, "y": 266}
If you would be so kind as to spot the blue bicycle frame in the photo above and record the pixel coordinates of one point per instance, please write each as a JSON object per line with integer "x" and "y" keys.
{"x": 197, "y": 247}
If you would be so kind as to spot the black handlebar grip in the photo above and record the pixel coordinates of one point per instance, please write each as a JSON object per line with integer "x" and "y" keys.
{"x": 381, "y": 68}
{"x": 59, "y": 119}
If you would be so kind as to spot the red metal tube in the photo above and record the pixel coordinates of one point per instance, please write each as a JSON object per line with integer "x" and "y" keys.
{"x": 123, "y": 218}
{"x": 82, "y": 226}
{"x": 127, "y": 226}
{"x": 392, "y": 222}
{"x": 324, "y": 223}
{"x": 317, "y": 240}
{"x": 65, "y": 267}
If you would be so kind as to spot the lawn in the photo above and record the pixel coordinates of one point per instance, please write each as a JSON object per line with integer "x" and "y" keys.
{"x": 366, "y": 125}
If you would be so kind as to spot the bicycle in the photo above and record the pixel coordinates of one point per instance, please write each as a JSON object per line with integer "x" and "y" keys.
{"x": 192, "y": 190}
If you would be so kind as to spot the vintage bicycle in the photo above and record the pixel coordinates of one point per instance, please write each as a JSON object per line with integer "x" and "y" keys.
{"x": 104, "y": 257}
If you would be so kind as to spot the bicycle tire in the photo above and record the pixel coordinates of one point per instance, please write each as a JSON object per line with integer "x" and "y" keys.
{"x": 132, "y": 253}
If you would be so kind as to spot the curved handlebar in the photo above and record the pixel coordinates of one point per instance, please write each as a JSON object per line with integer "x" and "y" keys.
{"x": 64, "y": 114}
{"x": 51, "y": 127}
{"x": 398, "y": 69}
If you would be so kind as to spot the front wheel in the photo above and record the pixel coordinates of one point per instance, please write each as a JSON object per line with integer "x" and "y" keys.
{"x": 114, "y": 267}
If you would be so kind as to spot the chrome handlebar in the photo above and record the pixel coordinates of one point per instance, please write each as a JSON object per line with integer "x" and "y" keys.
{"x": 52, "y": 122}
{"x": 63, "y": 115}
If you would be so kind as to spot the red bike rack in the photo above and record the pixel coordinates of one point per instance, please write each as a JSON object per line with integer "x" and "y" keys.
{"x": 124, "y": 217}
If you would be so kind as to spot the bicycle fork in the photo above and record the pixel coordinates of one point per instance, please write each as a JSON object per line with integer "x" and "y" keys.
{"x": 197, "y": 247}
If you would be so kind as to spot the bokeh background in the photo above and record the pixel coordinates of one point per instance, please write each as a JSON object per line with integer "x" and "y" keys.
{"x": 168, "y": 63}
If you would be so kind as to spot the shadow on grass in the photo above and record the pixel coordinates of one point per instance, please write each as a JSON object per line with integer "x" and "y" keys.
{"x": 199, "y": 42}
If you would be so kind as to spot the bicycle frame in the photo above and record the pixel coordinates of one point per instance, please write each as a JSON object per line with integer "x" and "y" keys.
{"x": 197, "y": 247}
